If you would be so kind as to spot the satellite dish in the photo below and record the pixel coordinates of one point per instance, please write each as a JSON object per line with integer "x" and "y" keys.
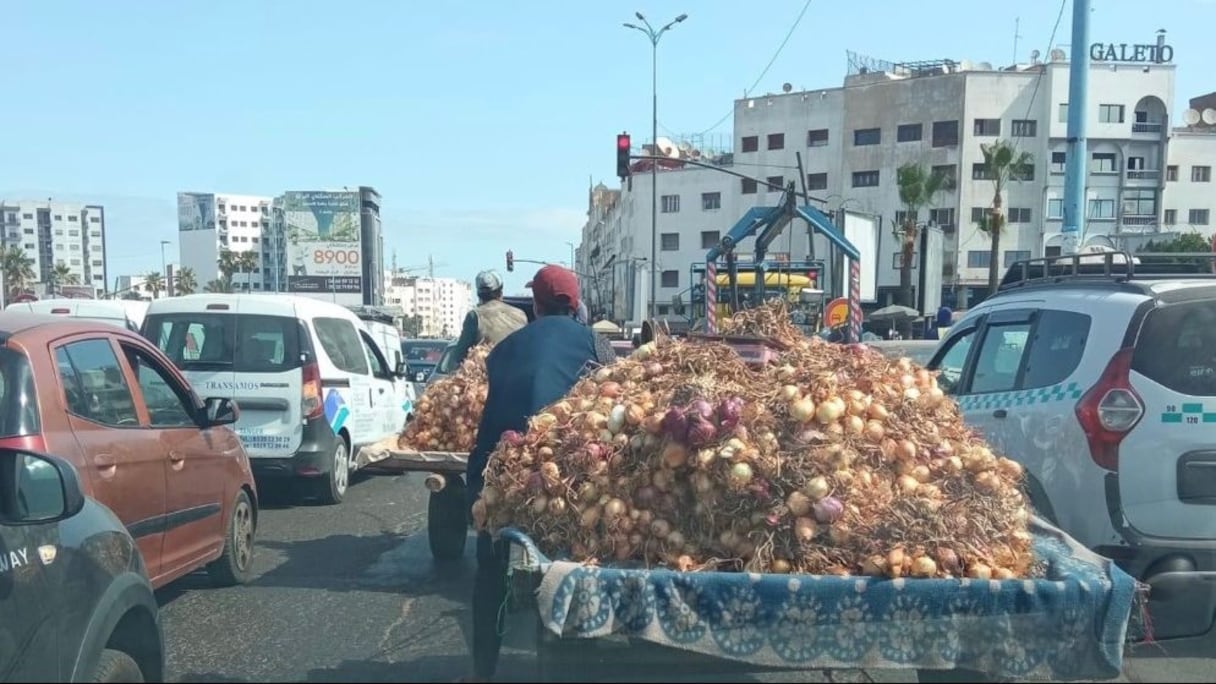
{"x": 1057, "y": 55}
{"x": 1034, "y": 56}
{"x": 966, "y": 65}
{"x": 1209, "y": 116}
{"x": 666, "y": 148}
{"x": 984, "y": 66}
{"x": 786, "y": 87}
{"x": 685, "y": 146}
{"x": 1191, "y": 117}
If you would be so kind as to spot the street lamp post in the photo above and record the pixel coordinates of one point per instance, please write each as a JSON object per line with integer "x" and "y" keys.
{"x": 164, "y": 273}
{"x": 654, "y": 37}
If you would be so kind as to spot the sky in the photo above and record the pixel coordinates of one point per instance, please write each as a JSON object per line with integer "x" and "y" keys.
{"x": 481, "y": 123}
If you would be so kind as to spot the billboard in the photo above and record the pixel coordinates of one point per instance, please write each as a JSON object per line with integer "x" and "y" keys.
{"x": 324, "y": 246}
{"x": 195, "y": 211}
{"x": 862, "y": 231}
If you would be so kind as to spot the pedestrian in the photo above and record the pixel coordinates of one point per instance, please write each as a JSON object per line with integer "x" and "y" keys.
{"x": 492, "y": 321}
{"x": 604, "y": 353}
{"x": 530, "y": 369}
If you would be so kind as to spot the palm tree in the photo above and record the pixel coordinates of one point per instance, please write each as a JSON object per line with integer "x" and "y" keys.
{"x": 1001, "y": 161}
{"x": 18, "y": 270}
{"x": 154, "y": 282}
{"x": 186, "y": 282}
{"x": 62, "y": 275}
{"x": 246, "y": 262}
{"x": 228, "y": 266}
{"x": 918, "y": 187}
{"x": 218, "y": 285}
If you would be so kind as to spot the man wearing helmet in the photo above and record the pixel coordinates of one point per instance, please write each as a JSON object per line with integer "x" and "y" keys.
{"x": 491, "y": 321}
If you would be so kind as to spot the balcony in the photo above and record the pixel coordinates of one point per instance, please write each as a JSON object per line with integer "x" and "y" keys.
{"x": 1137, "y": 224}
{"x": 1153, "y": 175}
{"x": 1147, "y": 127}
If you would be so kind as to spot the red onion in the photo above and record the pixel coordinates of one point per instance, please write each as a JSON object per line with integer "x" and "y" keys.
{"x": 701, "y": 432}
{"x": 596, "y": 451}
{"x": 772, "y": 520}
{"x": 828, "y": 510}
{"x": 536, "y": 483}
{"x": 645, "y": 496}
{"x": 702, "y": 408}
{"x": 675, "y": 424}
{"x": 760, "y": 488}
{"x": 729, "y": 412}
{"x": 513, "y": 438}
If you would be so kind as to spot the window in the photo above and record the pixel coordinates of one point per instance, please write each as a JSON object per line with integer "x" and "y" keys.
{"x": 58, "y": 217}
{"x": 94, "y": 219}
{"x": 209, "y": 341}
{"x": 749, "y": 186}
{"x": 776, "y": 141}
{"x": 169, "y": 405}
{"x": 902, "y": 216}
{"x": 1197, "y": 217}
{"x": 1022, "y": 172}
{"x": 1171, "y": 173}
{"x": 865, "y": 179}
{"x": 379, "y": 364}
{"x": 817, "y": 138}
{"x": 987, "y": 127}
{"x": 1109, "y": 113}
{"x": 1056, "y": 348}
{"x": 980, "y": 172}
{"x": 1175, "y": 347}
{"x": 669, "y": 204}
{"x": 27, "y": 216}
{"x": 670, "y": 278}
{"x": 1015, "y": 255}
{"x": 710, "y": 239}
{"x": 951, "y": 363}
{"x": 1062, "y": 116}
{"x": 669, "y": 242}
{"x": 979, "y": 214}
{"x": 340, "y": 341}
{"x": 1025, "y": 128}
{"x": 71, "y": 219}
{"x": 711, "y": 201}
{"x": 93, "y": 383}
{"x": 1051, "y": 251}
{"x": 979, "y": 258}
{"x": 1000, "y": 355}
{"x": 1104, "y": 162}
{"x": 817, "y": 181}
{"x": 942, "y": 218}
{"x": 1055, "y": 208}
{"x": 775, "y": 183}
{"x": 949, "y": 172}
{"x": 1019, "y": 214}
{"x": 1171, "y": 217}
{"x": 1101, "y": 209}
{"x": 1201, "y": 174}
{"x": 909, "y": 132}
{"x": 1140, "y": 202}
{"x": 867, "y": 136}
{"x": 945, "y": 133}
{"x": 1058, "y": 160}
{"x": 751, "y": 143}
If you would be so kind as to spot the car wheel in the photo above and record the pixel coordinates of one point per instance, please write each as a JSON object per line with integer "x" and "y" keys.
{"x": 116, "y": 666}
{"x": 235, "y": 564}
{"x": 333, "y": 488}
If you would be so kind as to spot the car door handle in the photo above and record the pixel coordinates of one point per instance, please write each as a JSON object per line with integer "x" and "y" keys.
{"x": 1000, "y": 413}
{"x": 176, "y": 456}
{"x": 104, "y": 461}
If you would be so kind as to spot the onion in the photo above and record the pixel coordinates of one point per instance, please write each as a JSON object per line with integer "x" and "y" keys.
{"x": 895, "y": 562}
{"x": 802, "y": 410}
{"x": 540, "y": 503}
{"x": 602, "y": 375}
{"x": 830, "y": 410}
{"x": 702, "y": 408}
{"x": 874, "y": 431}
{"x": 654, "y": 369}
{"x": 557, "y": 506}
{"x": 701, "y": 432}
{"x": 616, "y": 418}
{"x": 798, "y": 503}
{"x": 586, "y": 492}
{"x": 923, "y": 566}
{"x": 634, "y": 415}
{"x": 610, "y": 389}
{"x": 512, "y": 438}
{"x": 674, "y": 455}
{"x": 979, "y": 571}
{"x": 947, "y": 560}
{"x": 816, "y": 488}
{"x": 675, "y": 424}
{"x": 854, "y": 425}
{"x": 828, "y": 510}
{"x": 907, "y": 484}
{"x": 805, "y": 529}
{"x": 660, "y": 528}
{"x": 739, "y": 475}
{"x": 646, "y": 496}
{"x": 790, "y": 393}
{"x": 653, "y": 424}
{"x": 779, "y": 566}
{"x": 614, "y": 508}
{"x": 877, "y": 411}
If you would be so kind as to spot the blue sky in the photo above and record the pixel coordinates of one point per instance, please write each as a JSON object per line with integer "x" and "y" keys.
{"x": 480, "y": 123}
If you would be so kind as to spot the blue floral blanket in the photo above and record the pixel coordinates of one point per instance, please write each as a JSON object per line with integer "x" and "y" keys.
{"x": 1070, "y": 624}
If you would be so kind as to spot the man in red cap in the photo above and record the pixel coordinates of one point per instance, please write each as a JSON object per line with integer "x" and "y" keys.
{"x": 530, "y": 369}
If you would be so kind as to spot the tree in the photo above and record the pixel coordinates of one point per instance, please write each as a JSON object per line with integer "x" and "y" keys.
{"x": 918, "y": 187}
{"x": 228, "y": 266}
{"x": 1187, "y": 242}
{"x": 187, "y": 282}
{"x": 218, "y": 285}
{"x": 155, "y": 282}
{"x": 18, "y": 270}
{"x": 1001, "y": 162}
{"x": 411, "y": 326}
{"x": 62, "y": 275}
{"x": 246, "y": 262}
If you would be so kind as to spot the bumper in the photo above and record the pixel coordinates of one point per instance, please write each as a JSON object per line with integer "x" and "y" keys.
{"x": 314, "y": 458}
{"x": 1181, "y": 574}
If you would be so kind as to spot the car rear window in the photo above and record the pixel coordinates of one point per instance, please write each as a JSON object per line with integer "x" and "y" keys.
{"x": 18, "y": 398}
{"x": 1177, "y": 347}
{"x": 423, "y": 352}
{"x": 242, "y": 343}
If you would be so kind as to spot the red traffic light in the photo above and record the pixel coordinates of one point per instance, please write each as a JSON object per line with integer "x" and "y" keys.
{"x": 622, "y": 142}
{"x": 622, "y": 155}
{"x": 510, "y": 260}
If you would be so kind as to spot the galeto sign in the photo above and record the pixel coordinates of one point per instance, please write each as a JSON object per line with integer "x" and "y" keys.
{"x": 1125, "y": 52}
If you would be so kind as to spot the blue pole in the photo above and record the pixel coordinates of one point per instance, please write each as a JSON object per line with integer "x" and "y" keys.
{"x": 1077, "y": 157}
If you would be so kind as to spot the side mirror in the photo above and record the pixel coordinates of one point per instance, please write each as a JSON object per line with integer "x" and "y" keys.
{"x": 402, "y": 370}
{"x": 36, "y": 488}
{"x": 220, "y": 411}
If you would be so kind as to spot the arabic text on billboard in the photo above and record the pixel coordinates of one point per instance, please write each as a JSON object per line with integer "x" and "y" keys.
{"x": 324, "y": 249}
{"x": 195, "y": 211}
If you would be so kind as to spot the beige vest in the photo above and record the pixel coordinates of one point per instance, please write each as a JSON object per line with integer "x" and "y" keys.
{"x": 497, "y": 319}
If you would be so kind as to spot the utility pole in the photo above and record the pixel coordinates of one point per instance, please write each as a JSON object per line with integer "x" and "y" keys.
{"x": 1076, "y": 157}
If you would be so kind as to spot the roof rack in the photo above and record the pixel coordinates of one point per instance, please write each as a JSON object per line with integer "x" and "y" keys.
{"x": 1116, "y": 266}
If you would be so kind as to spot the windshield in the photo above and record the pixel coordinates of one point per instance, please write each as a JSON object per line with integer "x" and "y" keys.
{"x": 423, "y": 352}
{"x": 242, "y": 343}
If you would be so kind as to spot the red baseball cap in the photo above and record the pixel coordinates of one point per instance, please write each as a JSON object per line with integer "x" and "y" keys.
{"x": 553, "y": 285}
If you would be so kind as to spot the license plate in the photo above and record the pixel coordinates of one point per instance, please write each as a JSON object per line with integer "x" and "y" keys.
{"x": 420, "y": 377}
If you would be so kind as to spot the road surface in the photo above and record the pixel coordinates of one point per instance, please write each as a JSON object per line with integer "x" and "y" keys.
{"x": 350, "y": 593}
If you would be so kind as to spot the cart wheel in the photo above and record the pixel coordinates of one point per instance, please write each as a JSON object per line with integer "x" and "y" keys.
{"x": 447, "y": 524}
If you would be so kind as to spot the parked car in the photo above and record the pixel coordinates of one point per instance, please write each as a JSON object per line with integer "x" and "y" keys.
{"x": 421, "y": 357}
{"x": 75, "y": 601}
{"x": 1100, "y": 379}
{"x": 146, "y": 446}
{"x": 120, "y": 312}
{"x": 313, "y": 385}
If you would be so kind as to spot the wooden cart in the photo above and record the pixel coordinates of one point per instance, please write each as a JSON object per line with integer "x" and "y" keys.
{"x": 447, "y": 514}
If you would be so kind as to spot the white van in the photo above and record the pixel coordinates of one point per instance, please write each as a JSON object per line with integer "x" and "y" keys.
{"x": 311, "y": 383}
{"x": 128, "y": 314}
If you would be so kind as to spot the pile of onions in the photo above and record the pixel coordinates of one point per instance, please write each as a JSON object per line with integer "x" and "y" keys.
{"x": 832, "y": 460}
{"x": 448, "y": 413}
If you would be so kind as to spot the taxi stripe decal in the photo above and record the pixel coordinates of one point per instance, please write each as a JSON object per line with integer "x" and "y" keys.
{"x": 1031, "y": 397}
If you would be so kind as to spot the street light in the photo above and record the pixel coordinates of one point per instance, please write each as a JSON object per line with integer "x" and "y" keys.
{"x": 654, "y": 37}
{"x": 164, "y": 269}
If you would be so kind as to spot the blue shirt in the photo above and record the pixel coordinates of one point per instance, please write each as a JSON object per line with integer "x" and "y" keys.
{"x": 530, "y": 369}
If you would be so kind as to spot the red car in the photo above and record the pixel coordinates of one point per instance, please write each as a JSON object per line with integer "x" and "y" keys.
{"x": 144, "y": 444}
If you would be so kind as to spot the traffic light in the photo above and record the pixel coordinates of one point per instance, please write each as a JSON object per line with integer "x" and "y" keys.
{"x": 622, "y": 155}
{"x": 510, "y": 260}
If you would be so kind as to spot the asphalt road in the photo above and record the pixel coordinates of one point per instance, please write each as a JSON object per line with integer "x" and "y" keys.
{"x": 350, "y": 593}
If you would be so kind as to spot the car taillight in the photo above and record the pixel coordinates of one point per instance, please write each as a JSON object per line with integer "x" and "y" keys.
{"x": 1109, "y": 410}
{"x": 311, "y": 404}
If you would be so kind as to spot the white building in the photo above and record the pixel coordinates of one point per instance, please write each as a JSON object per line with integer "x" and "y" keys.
{"x": 52, "y": 233}
{"x": 210, "y": 223}
{"x": 441, "y": 303}
{"x": 853, "y": 138}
